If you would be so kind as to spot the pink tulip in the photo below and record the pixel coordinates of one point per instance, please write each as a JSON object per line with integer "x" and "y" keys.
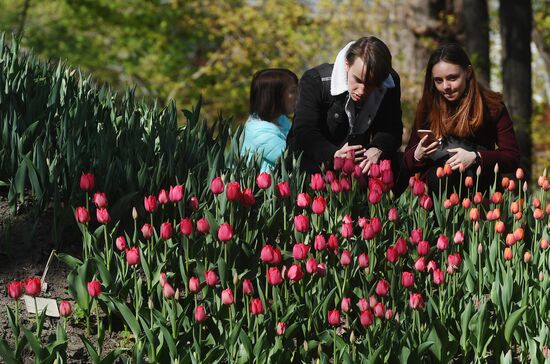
{"x": 120, "y": 243}
{"x": 100, "y": 200}
{"x": 321, "y": 269}
{"x": 407, "y": 279}
{"x": 132, "y": 256}
{"x": 345, "y": 305}
{"x": 225, "y": 232}
{"x": 203, "y": 226}
{"x": 186, "y": 226}
{"x": 459, "y": 237}
{"x": 420, "y": 264}
{"x": 382, "y": 287}
{"x": 318, "y": 205}
{"x": 266, "y": 255}
{"x": 311, "y": 266}
{"x": 200, "y": 314}
{"x": 194, "y": 285}
{"x": 301, "y": 223}
{"x": 147, "y": 231}
{"x": 334, "y": 317}
{"x": 247, "y": 197}
{"x": 263, "y": 180}
{"x": 65, "y": 309}
{"x": 94, "y": 288}
{"x": 165, "y": 231}
{"x": 401, "y": 246}
{"x": 299, "y": 251}
{"x": 347, "y": 230}
{"x": 393, "y": 215}
{"x": 103, "y": 216}
{"x": 283, "y": 189}
{"x": 280, "y": 329}
{"x": 320, "y": 242}
{"x": 392, "y": 255}
{"x": 438, "y": 277}
{"x": 416, "y": 300}
{"x": 227, "y": 296}
{"x": 416, "y": 236}
{"x": 295, "y": 273}
{"x": 216, "y": 185}
{"x": 248, "y": 288}
{"x": 423, "y": 248}
{"x": 87, "y": 181}
{"x": 317, "y": 183}
{"x": 363, "y": 260}
{"x": 211, "y": 278}
{"x": 82, "y": 215}
{"x": 442, "y": 242}
{"x": 256, "y": 306}
{"x": 345, "y": 258}
{"x": 233, "y": 192}
{"x": 303, "y": 200}
{"x": 379, "y": 310}
{"x": 163, "y": 197}
{"x": 150, "y": 203}
{"x": 274, "y": 276}
{"x": 363, "y": 304}
{"x": 194, "y": 203}
{"x": 366, "y": 318}
{"x": 176, "y": 193}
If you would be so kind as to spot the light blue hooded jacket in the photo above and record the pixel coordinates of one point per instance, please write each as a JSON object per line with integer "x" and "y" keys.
{"x": 266, "y": 138}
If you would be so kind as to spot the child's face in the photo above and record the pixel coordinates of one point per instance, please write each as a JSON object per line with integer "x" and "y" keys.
{"x": 289, "y": 98}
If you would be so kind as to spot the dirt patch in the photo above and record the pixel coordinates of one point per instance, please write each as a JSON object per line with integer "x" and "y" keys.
{"x": 25, "y": 245}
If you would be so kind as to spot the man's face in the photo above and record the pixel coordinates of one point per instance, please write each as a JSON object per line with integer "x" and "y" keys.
{"x": 356, "y": 74}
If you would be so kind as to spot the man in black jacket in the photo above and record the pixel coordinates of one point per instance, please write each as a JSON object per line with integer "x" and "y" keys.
{"x": 351, "y": 105}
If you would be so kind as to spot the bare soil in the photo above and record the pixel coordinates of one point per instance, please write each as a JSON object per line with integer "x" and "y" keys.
{"x": 25, "y": 246}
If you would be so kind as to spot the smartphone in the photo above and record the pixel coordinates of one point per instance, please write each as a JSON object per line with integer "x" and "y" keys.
{"x": 423, "y": 132}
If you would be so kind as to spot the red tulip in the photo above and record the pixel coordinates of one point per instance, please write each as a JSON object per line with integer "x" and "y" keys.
{"x": 233, "y": 192}
{"x": 423, "y": 248}
{"x": 368, "y": 232}
{"x": 320, "y": 242}
{"x": 15, "y": 289}
{"x": 382, "y": 287}
{"x": 65, "y": 309}
{"x": 277, "y": 256}
{"x": 376, "y": 224}
{"x": 82, "y": 215}
{"x": 165, "y": 231}
{"x": 203, "y": 226}
{"x": 454, "y": 260}
{"x": 301, "y": 223}
{"x": 419, "y": 188}
{"x": 280, "y": 329}
{"x": 420, "y": 264}
{"x": 442, "y": 242}
{"x": 216, "y": 185}
{"x": 147, "y": 231}
{"x": 225, "y": 232}
{"x": 256, "y": 306}
{"x": 426, "y": 202}
{"x": 379, "y": 310}
{"x": 102, "y": 216}
{"x": 200, "y": 314}
{"x": 163, "y": 197}
{"x": 311, "y": 266}
{"x": 416, "y": 236}
{"x": 186, "y": 226}
{"x": 150, "y": 203}
{"x": 176, "y": 193}
{"x": 363, "y": 260}
{"x": 335, "y": 186}
{"x": 338, "y": 163}
{"x": 334, "y": 317}
{"x": 87, "y": 182}
{"x": 345, "y": 258}
{"x": 100, "y": 200}
{"x": 33, "y": 286}
{"x": 227, "y": 296}
{"x": 120, "y": 243}
{"x": 194, "y": 285}
{"x": 407, "y": 279}
{"x": 295, "y": 273}
{"x": 283, "y": 189}
{"x": 168, "y": 290}
{"x": 401, "y": 246}
{"x": 299, "y": 251}
{"x": 393, "y": 215}
{"x": 132, "y": 256}
{"x": 366, "y": 318}
{"x": 274, "y": 276}
{"x": 266, "y": 254}
{"x": 248, "y": 288}
{"x": 389, "y": 314}
{"x": 211, "y": 278}
{"x": 459, "y": 237}
{"x": 194, "y": 203}
{"x": 345, "y": 305}
{"x": 94, "y": 288}
{"x": 416, "y": 300}
{"x": 333, "y": 243}
{"x": 317, "y": 183}
{"x": 303, "y": 200}
{"x": 347, "y": 230}
{"x": 391, "y": 254}
{"x": 318, "y": 205}
{"x": 438, "y": 277}
{"x": 247, "y": 197}
{"x": 329, "y": 176}
{"x": 538, "y": 214}
{"x": 263, "y": 180}
{"x": 363, "y": 304}
{"x": 345, "y": 184}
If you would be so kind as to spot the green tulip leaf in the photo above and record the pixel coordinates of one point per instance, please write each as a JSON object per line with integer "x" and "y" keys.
{"x": 94, "y": 356}
{"x": 512, "y": 322}
{"x": 7, "y": 353}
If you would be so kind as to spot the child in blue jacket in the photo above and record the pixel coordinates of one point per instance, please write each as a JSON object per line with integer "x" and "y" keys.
{"x": 272, "y": 98}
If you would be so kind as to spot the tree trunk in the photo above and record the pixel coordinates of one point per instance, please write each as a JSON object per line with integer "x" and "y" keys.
{"x": 515, "y": 28}
{"x": 475, "y": 21}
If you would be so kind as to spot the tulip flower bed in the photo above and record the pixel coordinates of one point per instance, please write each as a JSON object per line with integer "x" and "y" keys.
{"x": 331, "y": 267}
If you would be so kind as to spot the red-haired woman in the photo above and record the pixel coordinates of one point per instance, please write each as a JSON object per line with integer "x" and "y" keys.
{"x": 470, "y": 125}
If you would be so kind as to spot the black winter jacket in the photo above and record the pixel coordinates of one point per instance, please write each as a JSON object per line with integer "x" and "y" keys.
{"x": 321, "y": 125}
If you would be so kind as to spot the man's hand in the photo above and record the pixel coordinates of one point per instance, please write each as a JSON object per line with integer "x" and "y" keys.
{"x": 347, "y": 150}
{"x": 372, "y": 156}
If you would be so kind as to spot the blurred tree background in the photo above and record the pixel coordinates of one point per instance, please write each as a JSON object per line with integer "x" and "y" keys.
{"x": 183, "y": 49}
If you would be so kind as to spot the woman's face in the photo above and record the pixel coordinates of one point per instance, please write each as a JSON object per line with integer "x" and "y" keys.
{"x": 358, "y": 91}
{"x": 450, "y": 79}
{"x": 289, "y": 99}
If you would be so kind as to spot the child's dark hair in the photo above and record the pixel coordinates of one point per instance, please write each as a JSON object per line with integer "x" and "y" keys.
{"x": 267, "y": 91}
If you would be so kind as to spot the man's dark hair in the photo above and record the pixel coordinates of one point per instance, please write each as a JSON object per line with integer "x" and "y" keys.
{"x": 376, "y": 57}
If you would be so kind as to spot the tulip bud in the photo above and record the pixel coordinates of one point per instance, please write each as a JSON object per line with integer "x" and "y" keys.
{"x": 211, "y": 278}
{"x": 508, "y": 255}
{"x": 352, "y": 338}
{"x": 256, "y": 306}
{"x": 345, "y": 305}
{"x": 233, "y": 192}
{"x": 247, "y": 197}
{"x": 318, "y": 205}
{"x": 379, "y": 310}
{"x": 538, "y": 214}
{"x": 200, "y": 314}
{"x": 420, "y": 264}
{"x": 345, "y": 258}
{"x": 150, "y": 304}
{"x": 439, "y": 172}
{"x": 499, "y": 227}
{"x": 102, "y": 216}
{"x": 469, "y": 182}
{"x": 147, "y": 230}
{"x": 134, "y": 213}
{"x": 280, "y": 329}
{"x": 194, "y": 203}
{"x": 366, "y": 318}
{"x": 177, "y": 294}
{"x": 423, "y": 247}
{"x": 194, "y": 285}
{"x": 334, "y": 317}
{"x": 505, "y": 182}
{"x": 496, "y": 168}
{"x": 303, "y": 200}
{"x": 311, "y": 265}
{"x": 382, "y": 287}
{"x": 416, "y": 301}
{"x": 478, "y": 171}
{"x": 94, "y": 288}
{"x": 100, "y": 200}
{"x": 65, "y": 309}
{"x": 82, "y": 215}
{"x": 363, "y": 260}
{"x": 176, "y": 193}
{"x": 527, "y": 257}
{"x": 541, "y": 276}
{"x": 295, "y": 273}
{"x": 480, "y": 248}
{"x": 248, "y": 288}
{"x": 459, "y": 237}
{"x": 448, "y": 169}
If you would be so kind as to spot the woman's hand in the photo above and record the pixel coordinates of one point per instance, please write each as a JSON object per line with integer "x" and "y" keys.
{"x": 372, "y": 156}
{"x": 346, "y": 151}
{"x": 422, "y": 150}
{"x": 462, "y": 158}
